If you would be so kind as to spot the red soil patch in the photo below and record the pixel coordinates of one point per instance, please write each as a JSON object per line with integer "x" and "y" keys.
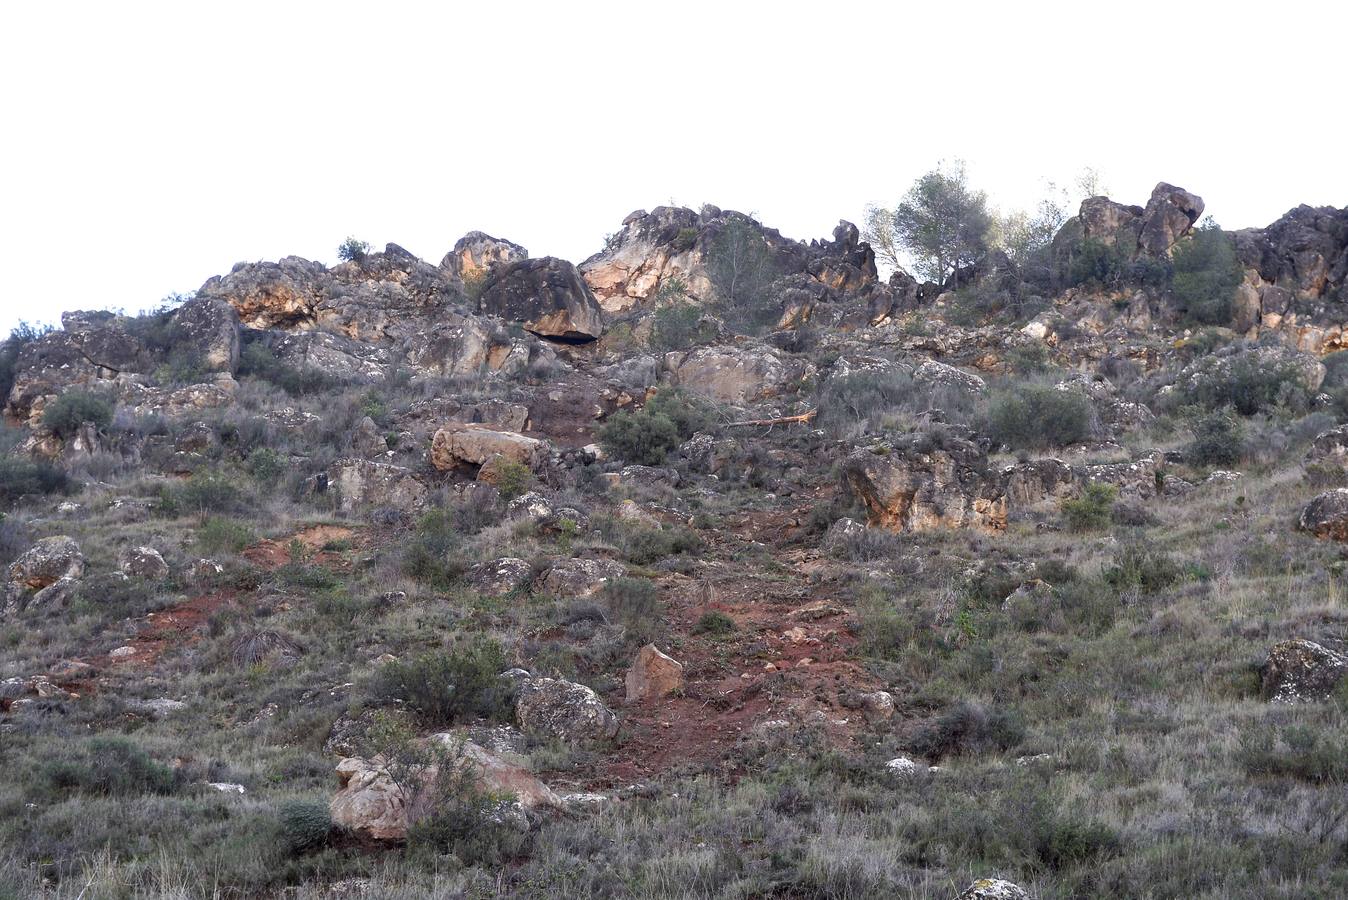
{"x": 274, "y": 554}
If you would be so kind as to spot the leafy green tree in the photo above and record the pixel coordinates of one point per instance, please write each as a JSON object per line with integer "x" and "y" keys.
{"x": 741, "y": 265}
{"x": 1207, "y": 274}
{"x": 942, "y": 223}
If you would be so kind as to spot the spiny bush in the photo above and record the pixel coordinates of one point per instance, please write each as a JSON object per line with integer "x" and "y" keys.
{"x": 1091, "y": 511}
{"x": 1249, "y": 385}
{"x": 220, "y": 535}
{"x": 445, "y": 687}
{"x": 1038, "y": 417}
{"x": 429, "y": 555}
{"x": 304, "y": 824}
{"x": 1295, "y": 751}
{"x": 1142, "y": 565}
{"x": 67, "y": 413}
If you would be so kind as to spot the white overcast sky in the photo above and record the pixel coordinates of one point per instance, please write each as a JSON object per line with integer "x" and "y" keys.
{"x": 147, "y": 146}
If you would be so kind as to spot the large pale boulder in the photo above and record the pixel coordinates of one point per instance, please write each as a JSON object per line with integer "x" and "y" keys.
{"x": 546, "y": 296}
{"x": 918, "y": 483}
{"x": 363, "y": 483}
{"x": 733, "y": 374}
{"x": 142, "y": 562}
{"x": 578, "y": 578}
{"x": 1299, "y": 671}
{"x": 373, "y": 805}
{"x": 556, "y": 708}
{"x": 44, "y": 574}
{"x": 993, "y": 889}
{"x": 652, "y": 675}
{"x": 460, "y": 444}
{"x": 206, "y": 330}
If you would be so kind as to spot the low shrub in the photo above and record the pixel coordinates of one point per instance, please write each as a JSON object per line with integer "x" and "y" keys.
{"x": 221, "y": 535}
{"x": 1092, "y": 510}
{"x": 634, "y": 603}
{"x": 714, "y": 624}
{"x": 68, "y": 412}
{"x": 1143, "y": 566}
{"x": 20, "y": 477}
{"x": 1218, "y": 440}
{"x": 1038, "y": 417}
{"x": 647, "y": 437}
{"x": 108, "y": 765}
{"x": 1206, "y": 275}
{"x": 445, "y": 687}
{"x": 969, "y": 728}
{"x": 304, "y": 824}
{"x": 429, "y": 554}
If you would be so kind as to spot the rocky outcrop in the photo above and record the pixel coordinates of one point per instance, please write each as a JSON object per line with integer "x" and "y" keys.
{"x": 497, "y": 577}
{"x": 45, "y": 574}
{"x": 476, "y": 254}
{"x": 918, "y": 483}
{"x": 674, "y": 247}
{"x": 1300, "y": 671}
{"x": 373, "y": 805}
{"x": 732, "y": 374}
{"x": 570, "y": 712}
{"x": 653, "y": 675}
{"x": 206, "y": 331}
{"x": 1326, "y": 516}
{"x": 1135, "y": 231}
{"x": 547, "y": 296}
{"x": 460, "y": 444}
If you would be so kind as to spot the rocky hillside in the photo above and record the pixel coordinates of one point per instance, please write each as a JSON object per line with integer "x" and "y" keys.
{"x": 715, "y": 565}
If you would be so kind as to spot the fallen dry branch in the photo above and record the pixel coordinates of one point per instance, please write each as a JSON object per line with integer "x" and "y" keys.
{"x": 784, "y": 420}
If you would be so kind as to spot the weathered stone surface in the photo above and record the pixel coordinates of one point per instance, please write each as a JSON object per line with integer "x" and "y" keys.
{"x": 206, "y": 331}
{"x": 1151, "y": 231}
{"x": 361, "y": 483}
{"x": 475, "y": 254}
{"x": 375, "y": 806}
{"x": 653, "y": 675}
{"x": 355, "y": 735}
{"x": 547, "y": 296}
{"x": 917, "y": 484}
{"x": 496, "y": 577}
{"x": 555, "y": 708}
{"x": 1326, "y": 516}
{"x": 460, "y": 444}
{"x": 733, "y": 374}
{"x": 1200, "y": 377}
{"x": 44, "y": 574}
{"x": 578, "y": 578}
{"x": 1298, "y": 671}
{"x": 142, "y": 562}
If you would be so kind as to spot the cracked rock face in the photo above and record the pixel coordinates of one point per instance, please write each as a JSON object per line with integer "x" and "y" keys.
{"x": 546, "y": 296}
{"x": 555, "y": 708}
{"x": 45, "y": 574}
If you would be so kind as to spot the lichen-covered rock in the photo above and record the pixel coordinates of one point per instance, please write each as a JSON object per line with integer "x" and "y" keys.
{"x": 206, "y": 331}
{"x": 142, "y": 562}
{"x": 45, "y": 574}
{"x": 1326, "y": 516}
{"x": 993, "y": 889}
{"x": 1169, "y": 215}
{"x": 358, "y": 735}
{"x": 555, "y": 708}
{"x": 496, "y": 577}
{"x": 547, "y": 296}
{"x": 460, "y": 444}
{"x": 653, "y": 675}
{"x": 578, "y": 578}
{"x": 1300, "y": 671}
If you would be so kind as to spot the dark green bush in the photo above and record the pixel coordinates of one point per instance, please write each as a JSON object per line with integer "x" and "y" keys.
{"x": 204, "y": 492}
{"x": 1091, "y": 511}
{"x": 430, "y": 554}
{"x": 647, "y": 437}
{"x": 443, "y": 688}
{"x": 675, "y": 326}
{"x": 714, "y": 623}
{"x": 219, "y": 535}
{"x": 353, "y": 250}
{"x": 684, "y": 240}
{"x": 1142, "y": 565}
{"x": 20, "y": 477}
{"x": 19, "y": 337}
{"x": 1098, "y": 263}
{"x": 108, "y": 765}
{"x": 1038, "y": 417}
{"x": 67, "y": 413}
{"x": 1207, "y": 273}
{"x": 257, "y": 361}
{"x": 1217, "y": 440}
{"x": 305, "y": 824}
{"x": 1296, "y": 751}
{"x": 1249, "y": 385}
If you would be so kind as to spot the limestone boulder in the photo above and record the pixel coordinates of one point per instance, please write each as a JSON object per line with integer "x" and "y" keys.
{"x": 460, "y": 444}
{"x": 1326, "y": 516}
{"x": 653, "y": 675}
{"x": 361, "y": 484}
{"x": 497, "y": 577}
{"x": 45, "y": 574}
{"x": 918, "y": 483}
{"x": 570, "y": 712}
{"x": 206, "y": 330}
{"x": 142, "y": 562}
{"x": 736, "y": 375}
{"x": 578, "y": 578}
{"x": 993, "y": 889}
